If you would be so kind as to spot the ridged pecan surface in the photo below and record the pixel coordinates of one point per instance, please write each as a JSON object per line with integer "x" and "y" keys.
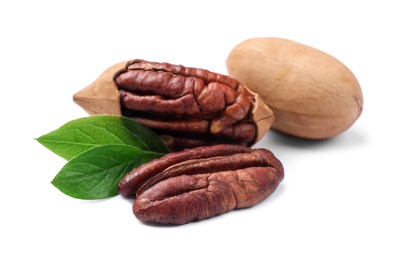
{"x": 199, "y": 183}
{"x": 188, "y": 107}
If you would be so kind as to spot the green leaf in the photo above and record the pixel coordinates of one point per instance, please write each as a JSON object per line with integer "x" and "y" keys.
{"x": 80, "y": 135}
{"x": 95, "y": 173}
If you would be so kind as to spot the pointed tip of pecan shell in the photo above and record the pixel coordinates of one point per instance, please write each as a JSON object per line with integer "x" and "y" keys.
{"x": 102, "y": 96}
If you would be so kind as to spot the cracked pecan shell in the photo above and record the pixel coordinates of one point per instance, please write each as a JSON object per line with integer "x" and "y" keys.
{"x": 188, "y": 107}
{"x": 200, "y": 183}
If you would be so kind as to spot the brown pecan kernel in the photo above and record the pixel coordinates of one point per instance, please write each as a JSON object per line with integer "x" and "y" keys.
{"x": 199, "y": 183}
{"x": 130, "y": 183}
{"x": 188, "y": 107}
{"x": 186, "y": 102}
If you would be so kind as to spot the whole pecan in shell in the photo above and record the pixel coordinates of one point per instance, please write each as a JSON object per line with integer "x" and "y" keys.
{"x": 199, "y": 183}
{"x": 188, "y": 107}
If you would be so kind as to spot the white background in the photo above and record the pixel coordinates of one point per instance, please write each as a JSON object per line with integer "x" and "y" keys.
{"x": 343, "y": 198}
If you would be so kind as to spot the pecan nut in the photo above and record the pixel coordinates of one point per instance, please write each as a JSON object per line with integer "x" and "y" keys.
{"x": 200, "y": 183}
{"x": 188, "y": 107}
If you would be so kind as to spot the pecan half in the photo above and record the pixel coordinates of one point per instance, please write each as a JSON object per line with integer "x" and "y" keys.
{"x": 188, "y": 107}
{"x": 199, "y": 183}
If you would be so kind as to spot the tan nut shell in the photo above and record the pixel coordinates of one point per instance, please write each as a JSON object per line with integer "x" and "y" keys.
{"x": 312, "y": 94}
{"x": 102, "y": 97}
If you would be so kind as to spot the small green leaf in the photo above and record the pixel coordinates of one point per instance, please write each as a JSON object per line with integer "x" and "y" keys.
{"x": 95, "y": 173}
{"x": 85, "y": 133}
